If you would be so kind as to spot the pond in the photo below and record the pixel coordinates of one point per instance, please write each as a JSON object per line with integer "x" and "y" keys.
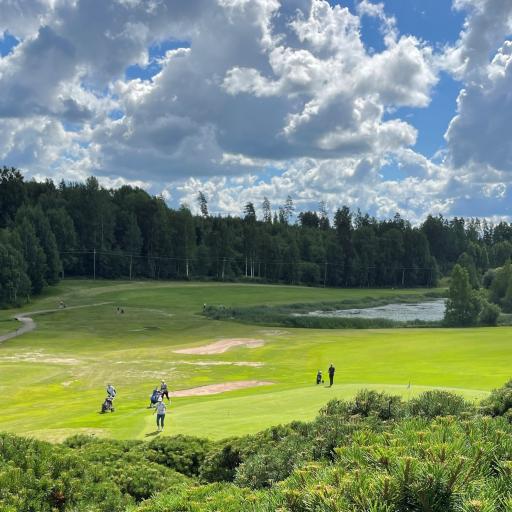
{"x": 431, "y": 311}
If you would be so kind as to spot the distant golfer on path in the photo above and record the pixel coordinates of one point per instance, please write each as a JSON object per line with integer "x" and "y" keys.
{"x": 331, "y": 374}
{"x": 160, "y": 414}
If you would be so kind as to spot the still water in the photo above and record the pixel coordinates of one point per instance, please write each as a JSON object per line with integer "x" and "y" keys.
{"x": 431, "y": 311}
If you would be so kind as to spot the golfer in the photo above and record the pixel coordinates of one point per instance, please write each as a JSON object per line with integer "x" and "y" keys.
{"x": 331, "y": 374}
{"x": 111, "y": 391}
{"x": 160, "y": 414}
{"x": 164, "y": 390}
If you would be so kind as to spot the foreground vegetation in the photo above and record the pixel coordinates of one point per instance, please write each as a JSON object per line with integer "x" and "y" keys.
{"x": 377, "y": 453}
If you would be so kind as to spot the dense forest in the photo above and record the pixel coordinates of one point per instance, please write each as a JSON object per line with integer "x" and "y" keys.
{"x": 50, "y": 230}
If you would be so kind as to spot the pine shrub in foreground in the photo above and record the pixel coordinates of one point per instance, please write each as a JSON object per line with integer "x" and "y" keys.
{"x": 375, "y": 453}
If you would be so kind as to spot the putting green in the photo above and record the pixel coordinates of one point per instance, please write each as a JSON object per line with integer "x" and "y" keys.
{"x": 52, "y": 379}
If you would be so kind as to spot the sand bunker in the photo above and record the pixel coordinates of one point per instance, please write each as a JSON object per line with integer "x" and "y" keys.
{"x": 215, "y": 389}
{"x": 221, "y": 346}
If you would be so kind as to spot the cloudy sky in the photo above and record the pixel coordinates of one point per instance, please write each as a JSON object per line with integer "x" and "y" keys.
{"x": 402, "y": 105}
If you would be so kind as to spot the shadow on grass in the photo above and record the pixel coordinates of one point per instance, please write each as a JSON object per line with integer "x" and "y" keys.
{"x": 156, "y": 432}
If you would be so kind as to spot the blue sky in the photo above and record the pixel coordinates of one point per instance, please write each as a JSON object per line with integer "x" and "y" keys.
{"x": 7, "y": 43}
{"x": 363, "y": 107}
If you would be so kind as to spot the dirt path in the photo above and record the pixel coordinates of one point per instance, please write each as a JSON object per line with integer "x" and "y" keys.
{"x": 215, "y": 389}
{"x": 30, "y": 325}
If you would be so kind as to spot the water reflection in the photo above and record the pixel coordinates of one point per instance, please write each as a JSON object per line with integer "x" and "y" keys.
{"x": 431, "y": 311}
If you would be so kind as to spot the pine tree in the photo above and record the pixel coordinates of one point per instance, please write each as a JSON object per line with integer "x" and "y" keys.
{"x": 203, "y": 204}
{"x": 14, "y": 282}
{"x": 33, "y": 254}
{"x": 267, "y": 211}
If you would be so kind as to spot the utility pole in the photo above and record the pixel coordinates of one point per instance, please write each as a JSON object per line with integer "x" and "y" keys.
{"x": 325, "y": 274}
{"x": 223, "y": 267}
{"x": 131, "y": 262}
{"x": 94, "y": 264}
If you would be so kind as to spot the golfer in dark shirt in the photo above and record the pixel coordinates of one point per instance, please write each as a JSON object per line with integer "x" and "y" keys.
{"x": 331, "y": 374}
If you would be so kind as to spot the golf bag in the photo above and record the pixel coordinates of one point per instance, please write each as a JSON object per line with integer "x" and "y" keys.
{"x": 154, "y": 397}
{"x": 108, "y": 405}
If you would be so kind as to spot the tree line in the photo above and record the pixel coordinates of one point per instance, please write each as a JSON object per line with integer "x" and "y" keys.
{"x": 49, "y": 231}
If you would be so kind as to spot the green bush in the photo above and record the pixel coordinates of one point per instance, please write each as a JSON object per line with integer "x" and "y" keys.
{"x": 127, "y": 465}
{"x": 489, "y": 314}
{"x": 207, "y": 498}
{"x": 499, "y": 403}
{"x": 39, "y": 477}
{"x": 184, "y": 454}
{"x": 432, "y": 404}
{"x": 366, "y": 403}
{"x": 222, "y": 461}
{"x": 273, "y": 462}
{"x": 418, "y": 465}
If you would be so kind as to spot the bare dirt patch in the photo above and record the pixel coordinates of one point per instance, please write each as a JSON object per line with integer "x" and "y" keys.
{"x": 254, "y": 364}
{"x": 221, "y": 346}
{"x": 215, "y": 389}
{"x": 39, "y": 357}
{"x": 273, "y": 332}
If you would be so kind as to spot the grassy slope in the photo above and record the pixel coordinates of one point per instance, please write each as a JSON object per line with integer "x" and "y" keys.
{"x": 52, "y": 380}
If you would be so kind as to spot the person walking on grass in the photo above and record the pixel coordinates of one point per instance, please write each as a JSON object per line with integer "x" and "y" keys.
{"x": 331, "y": 375}
{"x": 111, "y": 391}
{"x": 164, "y": 390}
{"x": 160, "y": 414}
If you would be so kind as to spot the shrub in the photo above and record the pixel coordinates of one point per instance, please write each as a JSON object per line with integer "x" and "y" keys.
{"x": 437, "y": 403}
{"x": 273, "y": 463}
{"x": 207, "y": 498}
{"x": 221, "y": 461}
{"x": 419, "y": 465}
{"x": 126, "y": 464}
{"x": 499, "y": 403}
{"x": 39, "y": 477}
{"x": 184, "y": 454}
{"x": 489, "y": 314}
{"x": 381, "y": 405}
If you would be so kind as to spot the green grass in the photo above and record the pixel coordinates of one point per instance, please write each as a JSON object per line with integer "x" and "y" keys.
{"x": 52, "y": 380}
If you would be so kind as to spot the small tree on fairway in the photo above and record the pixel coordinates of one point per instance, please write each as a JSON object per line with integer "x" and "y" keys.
{"x": 463, "y": 306}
